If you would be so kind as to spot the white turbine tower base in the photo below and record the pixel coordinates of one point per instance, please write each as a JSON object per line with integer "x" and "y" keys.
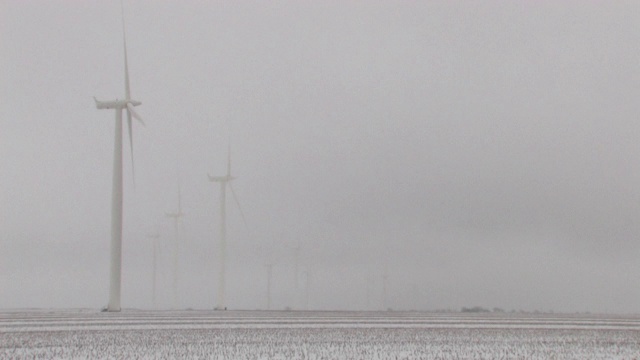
{"x": 117, "y": 194}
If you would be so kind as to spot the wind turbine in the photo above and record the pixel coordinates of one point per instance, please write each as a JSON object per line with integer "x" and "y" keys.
{"x": 296, "y": 265}
{"x": 154, "y": 238}
{"x": 296, "y": 258}
{"x": 369, "y": 285}
{"x": 269, "y": 267}
{"x": 385, "y": 280}
{"x": 176, "y": 216}
{"x": 117, "y": 194}
{"x": 307, "y": 281}
{"x": 223, "y": 180}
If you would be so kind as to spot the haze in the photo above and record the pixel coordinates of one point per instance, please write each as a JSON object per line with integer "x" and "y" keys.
{"x": 484, "y": 153}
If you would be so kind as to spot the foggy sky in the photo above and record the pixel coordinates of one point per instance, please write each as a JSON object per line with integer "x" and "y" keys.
{"x": 485, "y": 153}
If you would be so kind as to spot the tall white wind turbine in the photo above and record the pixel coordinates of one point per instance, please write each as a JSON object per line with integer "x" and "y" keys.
{"x": 117, "y": 195}
{"x": 224, "y": 180}
{"x": 176, "y": 216}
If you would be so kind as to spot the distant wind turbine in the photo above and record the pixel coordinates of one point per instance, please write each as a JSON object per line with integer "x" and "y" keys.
{"x": 296, "y": 271}
{"x": 307, "y": 282}
{"x": 154, "y": 238}
{"x": 385, "y": 280}
{"x": 176, "y": 216}
{"x": 368, "y": 279}
{"x": 117, "y": 194}
{"x": 296, "y": 264}
{"x": 223, "y": 180}
{"x": 269, "y": 267}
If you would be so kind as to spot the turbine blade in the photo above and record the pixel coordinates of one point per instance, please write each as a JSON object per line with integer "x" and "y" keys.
{"x": 133, "y": 169}
{"x": 229, "y": 160}
{"x": 135, "y": 114}
{"x": 235, "y": 197}
{"x": 127, "y": 90}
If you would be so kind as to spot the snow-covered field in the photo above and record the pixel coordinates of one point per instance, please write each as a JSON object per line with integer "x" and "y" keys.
{"x": 84, "y": 334}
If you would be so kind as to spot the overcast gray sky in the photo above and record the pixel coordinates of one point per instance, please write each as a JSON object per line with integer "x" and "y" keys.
{"x": 487, "y": 152}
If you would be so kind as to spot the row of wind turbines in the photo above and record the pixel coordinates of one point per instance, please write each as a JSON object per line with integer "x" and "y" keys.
{"x": 128, "y": 104}
{"x": 114, "y": 304}
{"x": 176, "y": 217}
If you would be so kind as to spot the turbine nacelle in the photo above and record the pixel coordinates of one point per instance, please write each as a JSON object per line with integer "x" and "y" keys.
{"x": 116, "y": 104}
{"x": 225, "y": 178}
{"x": 175, "y": 215}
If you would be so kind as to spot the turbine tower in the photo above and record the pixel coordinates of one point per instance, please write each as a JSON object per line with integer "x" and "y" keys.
{"x": 296, "y": 271}
{"x": 385, "y": 279}
{"x": 296, "y": 265}
{"x": 154, "y": 238}
{"x": 176, "y": 216}
{"x": 369, "y": 285}
{"x": 307, "y": 281}
{"x": 269, "y": 267}
{"x": 117, "y": 194}
{"x": 223, "y": 180}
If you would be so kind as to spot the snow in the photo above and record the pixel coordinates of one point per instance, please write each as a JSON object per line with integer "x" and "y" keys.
{"x": 314, "y": 335}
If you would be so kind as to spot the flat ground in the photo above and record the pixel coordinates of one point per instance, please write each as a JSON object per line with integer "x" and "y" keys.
{"x": 314, "y": 335}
